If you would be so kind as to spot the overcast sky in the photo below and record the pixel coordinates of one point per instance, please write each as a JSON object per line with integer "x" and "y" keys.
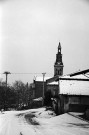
{"x": 30, "y": 31}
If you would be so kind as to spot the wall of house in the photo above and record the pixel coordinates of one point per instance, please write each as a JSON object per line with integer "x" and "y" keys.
{"x": 74, "y": 87}
{"x": 74, "y": 103}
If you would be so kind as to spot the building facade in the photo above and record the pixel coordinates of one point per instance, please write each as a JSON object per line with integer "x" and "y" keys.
{"x": 38, "y": 85}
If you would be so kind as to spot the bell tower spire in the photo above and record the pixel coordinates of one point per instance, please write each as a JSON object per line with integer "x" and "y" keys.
{"x": 59, "y": 47}
{"x": 58, "y": 66}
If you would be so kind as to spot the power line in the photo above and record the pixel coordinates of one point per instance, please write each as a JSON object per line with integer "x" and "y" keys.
{"x": 27, "y": 73}
{"x": 22, "y": 73}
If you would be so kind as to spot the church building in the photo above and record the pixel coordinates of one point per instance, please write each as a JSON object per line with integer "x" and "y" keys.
{"x": 58, "y": 66}
{"x": 52, "y": 86}
{"x": 58, "y": 71}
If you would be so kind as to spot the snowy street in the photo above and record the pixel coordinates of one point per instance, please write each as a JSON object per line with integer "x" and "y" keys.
{"x": 41, "y": 122}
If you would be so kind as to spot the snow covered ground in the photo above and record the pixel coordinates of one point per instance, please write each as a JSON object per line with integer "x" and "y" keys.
{"x": 41, "y": 122}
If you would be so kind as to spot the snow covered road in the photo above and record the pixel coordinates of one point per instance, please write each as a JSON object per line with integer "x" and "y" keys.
{"x": 41, "y": 122}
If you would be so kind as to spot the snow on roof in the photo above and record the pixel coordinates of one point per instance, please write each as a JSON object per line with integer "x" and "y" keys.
{"x": 40, "y": 78}
{"x": 53, "y": 83}
{"x": 81, "y": 76}
{"x": 80, "y": 72}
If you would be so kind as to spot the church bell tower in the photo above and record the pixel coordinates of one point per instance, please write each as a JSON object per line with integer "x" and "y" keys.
{"x": 58, "y": 66}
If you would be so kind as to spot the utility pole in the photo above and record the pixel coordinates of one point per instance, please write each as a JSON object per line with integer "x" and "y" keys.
{"x": 43, "y": 87}
{"x": 6, "y": 73}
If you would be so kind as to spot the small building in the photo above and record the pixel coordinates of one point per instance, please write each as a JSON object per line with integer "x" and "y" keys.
{"x": 73, "y": 92}
{"x": 38, "y": 88}
{"x": 38, "y": 85}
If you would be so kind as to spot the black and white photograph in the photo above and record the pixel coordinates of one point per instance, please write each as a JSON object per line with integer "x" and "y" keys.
{"x": 44, "y": 67}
